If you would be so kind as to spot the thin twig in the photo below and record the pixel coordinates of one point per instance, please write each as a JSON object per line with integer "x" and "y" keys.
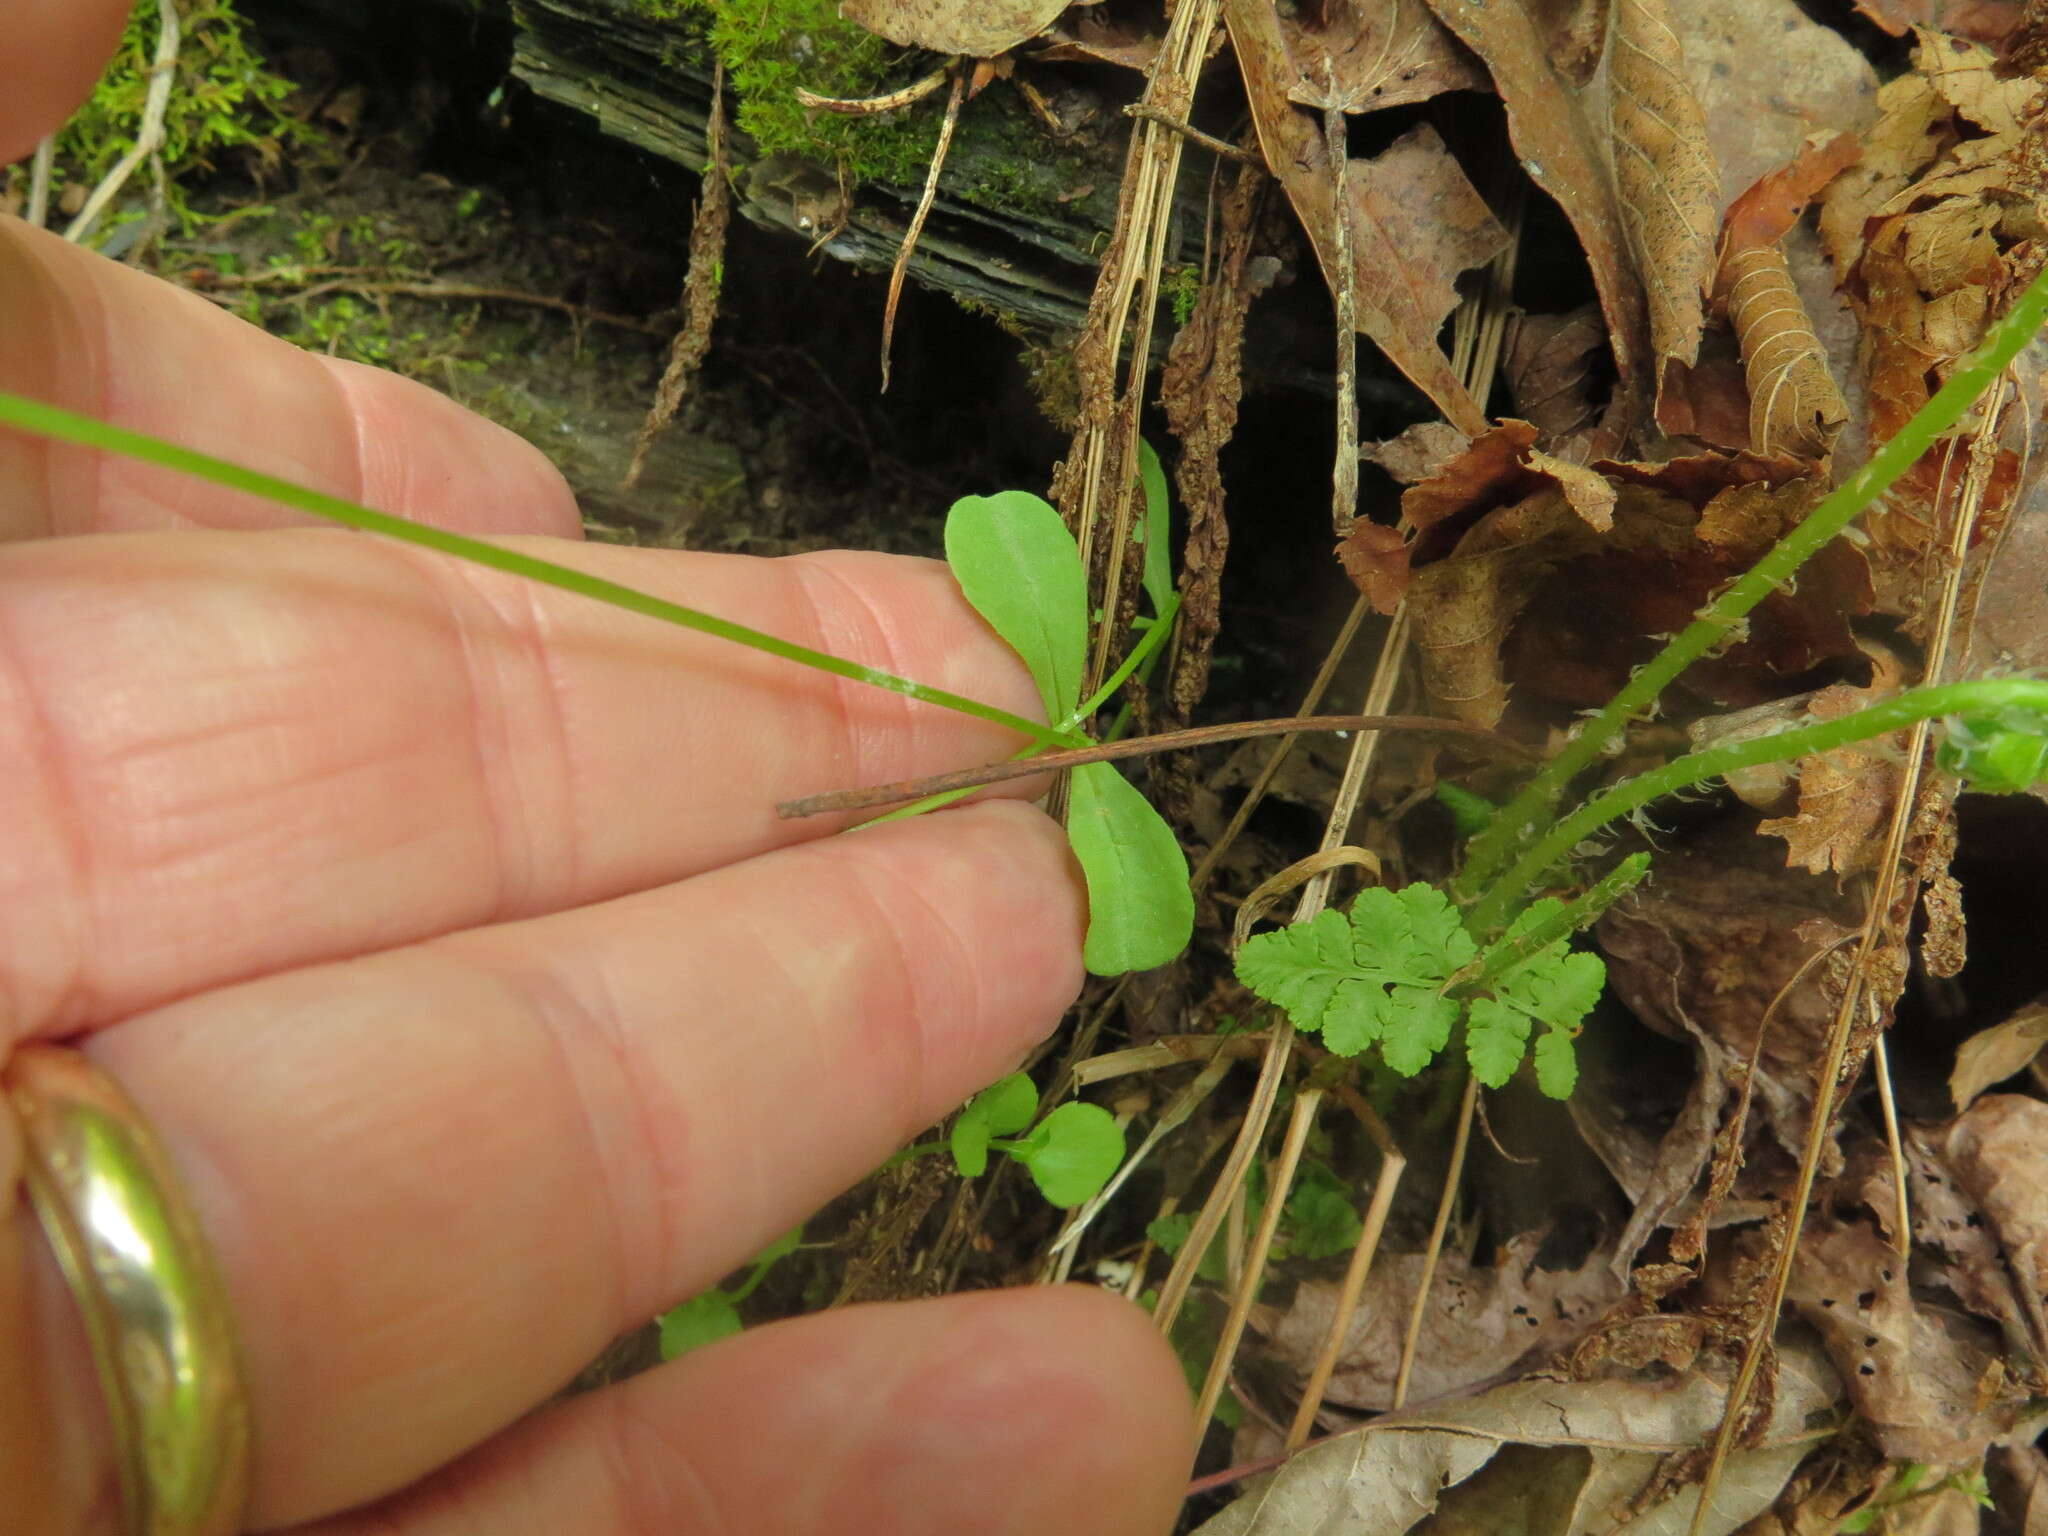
{"x": 871, "y": 106}
{"x": 1222, "y": 149}
{"x": 149, "y": 135}
{"x": 924, "y": 208}
{"x": 204, "y": 285}
{"x": 1344, "y": 294}
{"x": 1828, "y": 1087}
{"x": 1467, "y": 1108}
{"x": 1135, "y": 746}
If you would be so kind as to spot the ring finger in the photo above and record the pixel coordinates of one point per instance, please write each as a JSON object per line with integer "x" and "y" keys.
{"x": 441, "y": 1178}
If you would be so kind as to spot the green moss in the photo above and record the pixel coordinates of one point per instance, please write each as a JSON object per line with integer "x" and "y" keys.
{"x": 223, "y": 102}
{"x": 771, "y": 47}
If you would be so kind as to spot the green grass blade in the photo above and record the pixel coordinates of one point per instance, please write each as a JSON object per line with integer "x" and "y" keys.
{"x": 64, "y": 426}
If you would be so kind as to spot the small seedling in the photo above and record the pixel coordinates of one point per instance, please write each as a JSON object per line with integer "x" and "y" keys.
{"x": 1070, "y": 1154}
{"x": 1382, "y": 974}
{"x": 715, "y": 1314}
{"x": 1020, "y": 568}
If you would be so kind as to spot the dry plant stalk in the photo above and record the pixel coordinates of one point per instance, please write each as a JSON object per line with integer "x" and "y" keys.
{"x": 1794, "y": 406}
{"x": 1094, "y": 486}
{"x": 1878, "y": 963}
{"x": 701, "y": 283}
{"x": 924, "y": 208}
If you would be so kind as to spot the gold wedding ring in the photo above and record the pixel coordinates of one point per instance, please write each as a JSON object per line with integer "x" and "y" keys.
{"x": 155, "y": 1310}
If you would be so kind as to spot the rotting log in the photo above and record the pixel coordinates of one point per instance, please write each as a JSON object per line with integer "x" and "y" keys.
{"x": 638, "y": 83}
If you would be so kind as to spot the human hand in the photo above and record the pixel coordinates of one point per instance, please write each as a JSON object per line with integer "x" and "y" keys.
{"x": 443, "y": 929}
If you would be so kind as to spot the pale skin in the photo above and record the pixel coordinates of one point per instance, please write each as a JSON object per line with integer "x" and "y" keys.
{"x": 443, "y": 928}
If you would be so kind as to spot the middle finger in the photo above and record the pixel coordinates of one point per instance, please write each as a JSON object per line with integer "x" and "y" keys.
{"x": 229, "y": 754}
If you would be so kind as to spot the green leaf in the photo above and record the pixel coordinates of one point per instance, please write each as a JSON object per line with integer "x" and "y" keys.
{"x": 1170, "y": 1233}
{"x": 1496, "y": 1036}
{"x": 1320, "y": 1219}
{"x": 1001, "y": 1109}
{"x": 1372, "y": 975}
{"x": 1553, "y": 987}
{"x": 699, "y": 1321}
{"x": 1072, "y": 1153}
{"x": 1557, "y": 1065}
{"x": 1020, "y": 568}
{"x": 1140, "y": 910}
{"x": 1156, "y": 529}
{"x": 2003, "y": 753}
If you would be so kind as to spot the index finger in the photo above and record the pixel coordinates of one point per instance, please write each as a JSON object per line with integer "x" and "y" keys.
{"x": 51, "y": 51}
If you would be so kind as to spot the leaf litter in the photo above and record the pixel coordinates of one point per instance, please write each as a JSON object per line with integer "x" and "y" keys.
{"x": 1785, "y": 257}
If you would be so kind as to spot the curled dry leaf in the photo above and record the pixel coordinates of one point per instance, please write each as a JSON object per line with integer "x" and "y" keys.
{"x": 1992, "y": 1055}
{"x": 1664, "y": 170}
{"x": 1482, "y": 1323}
{"x": 981, "y": 29}
{"x": 1794, "y": 406}
{"x": 1613, "y": 1437}
{"x": 1768, "y": 209}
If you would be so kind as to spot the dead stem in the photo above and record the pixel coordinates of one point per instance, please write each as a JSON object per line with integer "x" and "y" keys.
{"x": 1277, "y": 1186}
{"x": 1878, "y": 924}
{"x": 702, "y": 280}
{"x": 924, "y": 208}
{"x": 1466, "y": 1110}
{"x": 1137, "y": 746}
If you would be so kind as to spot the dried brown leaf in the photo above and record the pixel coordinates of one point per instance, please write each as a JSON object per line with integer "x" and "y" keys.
{"x": 981, "y": 29}
{"x": 1548, "y": 365}
{"x": 1928, "y": 1384}
{"x": 1462, "y": 609}
{"x": 1363, "y": 55}
{"x": 1417, "y": 452}
{"x": 1561, "y": 148}
{"x": 1413, "y": 223}
{"x": 1845, "y": 797}
{"x": 1387, "y": 1477}
{"x": 1664, "y": 169}
{"x": 1999, "y": 1150}
{"x": 1482, "y": 1321}
{"x": 1983, "y": 21}
{"x": 1794, "y": 406}
{"x": 1771, "y": 205}
{"x": 1992, "y": 1055}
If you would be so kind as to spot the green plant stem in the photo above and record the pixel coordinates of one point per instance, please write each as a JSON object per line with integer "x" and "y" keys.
{"x": 1979, "y": 697}
{"x": 1567, "y": 920}
{"x": 63, "y": 426}
{"x": 1140, "y": 654}
{"x": 1971, "y": 377}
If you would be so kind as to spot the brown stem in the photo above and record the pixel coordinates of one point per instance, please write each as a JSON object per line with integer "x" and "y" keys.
{"x": 1138, "y": 746}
